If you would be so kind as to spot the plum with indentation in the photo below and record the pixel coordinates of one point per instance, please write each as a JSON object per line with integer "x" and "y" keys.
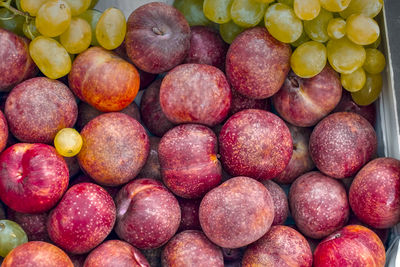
{"x": 241, "y": 102}
{"x": 375, "y": 193}
{"x": 237, "y": 212}
{"x": 342, "y": 143}
{"x": 189, "y": 214}
{"x": 115, "y": 253}
{"x": 255, "y": 143}
{"x": 148, "y": 215}
{"x": 38, "y": 108}
{"x": 281, "y": 205}
{"x": 115, "y": 148}
{"x": 318, "y": 204}
{"x": 34, "y": 225}
{"x": 281, "y": 246}
{"x": 152, "y": 167}
{"x": 188, "y": 160}
{"x": 82, "y": 219}
{"x": 257, "y": 63}
{"x": 191, "y": 248}
{"x": 195, "y": 93}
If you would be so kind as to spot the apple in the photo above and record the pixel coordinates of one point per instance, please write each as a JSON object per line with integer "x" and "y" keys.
{"x": 3, "y": 131}
{"x": 279, "y": 198}
{"x": 375, "y": 193}
{"x": 241, "y": 102}
{"x": 353, "y": 245}
{"x": 152, "y": 167}
{"x": 148, "y": 215}
{"x": 16, "y": 64}
{"x": 237, "y": 212}
{"x": 103, "y": 79}
{"x": 189, "y": 214}
{"x": 191, "y": 248}
{"x": 305, "y": 101}
{"x": 342, "y": 143}
{"x": 281, "y": 246}
{"x": 38, "y": 108}
{"x": 195, "y": 93}
{"x": 34, "y": 225}
{"x": 318, "y": 204}
{"x": 257, "y": 63}
{"x": 115, "y": 148}
{"x": 82, "y": 219}
{"x": 33, "y": 177}
{"x": 255, "y": 143}
{"x": 157, "y": 37}
{"x": 188, "y": 160}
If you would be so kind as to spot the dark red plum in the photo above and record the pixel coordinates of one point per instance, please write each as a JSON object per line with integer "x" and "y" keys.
{"x": 281, "y": 204}
{"x": 152, "y": 167}
{"x": 190, "y": 214}
{"x": 34, "y": 225}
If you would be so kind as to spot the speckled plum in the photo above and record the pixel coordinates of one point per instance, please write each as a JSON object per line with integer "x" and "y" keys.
{"x": 342, "y": 143}
{"x": 3, "y": 131}
{"x": 113, "y": 253}
{"x": 112, "y": 190}
{"x": 115, "y": 148}
{"x": 191, "y": 248}
{"x": 195, "y": 93}
{"x": 188, "y": 160}
{"x": 38, "y": 108}
{"x": 279, "y": 198}
{"x": 281, "y": 246}
{"x": 82, "y": 219}
{"x": 236, "y": 213}
{"x": 189, "y": 214}
{"x": 255, "y": 143}
{"x": 152, "y": 167}
{"x": 375, "y": 193}
{"x": 34, "y": 225}
{"x": 241, "y": 102}
{"x": 318, "y": 204}
{"x": 148, "y": 215}
{"x": 257, "y": 63}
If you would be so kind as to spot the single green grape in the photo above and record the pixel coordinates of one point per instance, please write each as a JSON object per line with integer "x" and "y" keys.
{"x": 11, "y": 236}
{"x": 375, "y": 44}
{"x": 30, "y": 30}
{"x": 247, "y": 13}
{"x": 193, "y": 12}
{"x": 374, "y": 62}
{"x": 77, "y": 37}
{"x": 53, "y": 18}
{"x": 336, "y": 28}
{"x": 218, "y": 11}
{"x": 302, "y": 39}
{"x": 369, "y": 8}
{"x": 229, "y": 31}
{"x": 354, "y": 81}
{"x": 50, "y": 56}
{"x": 308, "y": 59}
{"x": 111, "y": 28}
{"x": 11, "y": 21}
{"x": 345, "y": 56}
{"x": 361, "y": 29}
{"x": 334, "y": 5}
{"x": 306, "y": 9}
{"x": 78, "y": 6}
{"x": 93, "y": 3}
{"x": 370, "y": 91}
{"x": 282, "y": 23}
{"x": 68, "y": 142}
{"x": 92, "y": 16}
{"x": 31, "y": 6}
{"x": 316, "y": 29}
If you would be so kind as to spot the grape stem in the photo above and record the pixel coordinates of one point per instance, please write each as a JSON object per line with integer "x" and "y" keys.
{"x": 7, "y": 4}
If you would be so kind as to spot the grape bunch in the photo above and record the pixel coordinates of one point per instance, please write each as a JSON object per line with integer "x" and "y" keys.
{"x": 59, "y": 29}
{"x": 342, "y": 33}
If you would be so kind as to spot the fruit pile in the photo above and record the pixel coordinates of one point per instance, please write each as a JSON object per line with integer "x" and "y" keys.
{"x": 232, "y": 113}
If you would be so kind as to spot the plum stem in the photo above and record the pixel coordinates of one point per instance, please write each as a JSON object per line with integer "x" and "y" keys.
{"x": 157, "y": 31}
{"x": 7, "y": 5}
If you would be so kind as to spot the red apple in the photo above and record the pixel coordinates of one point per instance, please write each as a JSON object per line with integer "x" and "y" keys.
{"x": 157, "y": 37}
{"x": 82, "y": 219}
{"x": 195, "y": 93}
{"x": 38, "y": 108}
{"x": 342, "y": 143}
{"x": 318, "y": 204}
{"x": 279, "y": 198}
{"x": 33, "y": 177}
{"x": 257, "y": 63}
{"x": 34, "y": 225}
{"x": 375, "y": 193}
{"x": 189, "y": 214}
{"x": 152, "y": 167}
{"x": 241, "y": 102}
{"x": 103, "y": 79}
{"x": 255, "y": 143}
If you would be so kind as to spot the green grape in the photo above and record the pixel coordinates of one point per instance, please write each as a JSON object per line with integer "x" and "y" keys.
{"x": 50, "y": 56}
{"x": 31, "y": 6}
{"x": 369, "y": 8}
{"x": 78, "y": 6}
{"x": 316, "y": 29}
{"x": 334, "y": 5}
{"x": 302, "y": 39}
{"x": 218, "y": 11}
{"x": 336, "y": 28}
{"x": 68, "y": 142}
{"x": 287, "y": 2}
{"x": 193, "y": 12}
{"x": 77, "y": 37}
{"x": 361, "y": 29}
{"x": 308, "y": 59}
{"x": 53, "y": 18}
{"x": 92, "y": 16}
{"x": 282, "y": 23}
{"x": 111, "y": 28}
{"x": 354, "y": 81}
{"x": 11, "y": 22}
{"x": 370, "y": 91}
{"x": 374, "y": 62}
{"x": 375, "y": 44}
{"x": 30, "y": 30}
{"x": 229, "y": 31}
{"x": 247, "y": 13}
{"x": 306, "y": 9}
{"x": 93, "y": 3}
{"x": 11, "y": 236}
{"x": 345, "y": 56}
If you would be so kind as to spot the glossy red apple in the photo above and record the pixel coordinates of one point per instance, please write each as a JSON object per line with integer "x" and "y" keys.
{"x": 281, "y": 204}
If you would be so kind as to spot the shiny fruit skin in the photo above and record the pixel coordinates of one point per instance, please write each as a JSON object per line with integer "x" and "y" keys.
{"x": 78, "y": 6}
{"x": 247, "y": 13}
{"x": 370, "y": 92}
{"x": 31, "y": 6}
{"x": 354, "y": 81}
{"x": 375, "y": 61}
{"x": 361, "y": 29}
{"x": 336, "y": 28}
{"x": 306, "y": 9}
{"x": 11, "y": 236}
{"x": 229, "y": 31}
{"x": 53, "y": 18}
{"x": 316, "y": 28}
{"x": 308, "y": 59}
{"x": 68, "y": 142}
{"x": 370, "y": 8}
{"x": 345, "y": 56}
{"x": 335, "y": 5}
{"x": 92, "y": 17}
{"x": 111, "y": 28}
{"x": 218, "y": 11}
{"x": 193, "y": 12}
{"x": 77, "y": 37}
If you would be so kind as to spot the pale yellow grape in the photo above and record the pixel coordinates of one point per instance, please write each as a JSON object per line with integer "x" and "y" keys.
{"x": 92, "y": 17}
{"x": 78, "y": 6}
{"x": 375, "y": 61}
{"x": 53, "y": 18}
{"x": 344, "y": 55}
{"x": 111, "y": 28}
{"x": 370, "y": 8}
{"x": 316, "y": 29}
{"x": 247, "y": 13}
{"x": 218, "y": 11}
{"x": 306, "y": 9}
{"x": 31, "y": 6}
{"x": 77, "y": 37}
{"x": 370, "y": 91}
{"x": 335, "y": 5}
{"x": 68, "y": 142}
{"x": 336, "y": 28}
{"x": 361, "y": 29}
{"x": 308, "y": 59}
{"x": 354, "y": 81}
